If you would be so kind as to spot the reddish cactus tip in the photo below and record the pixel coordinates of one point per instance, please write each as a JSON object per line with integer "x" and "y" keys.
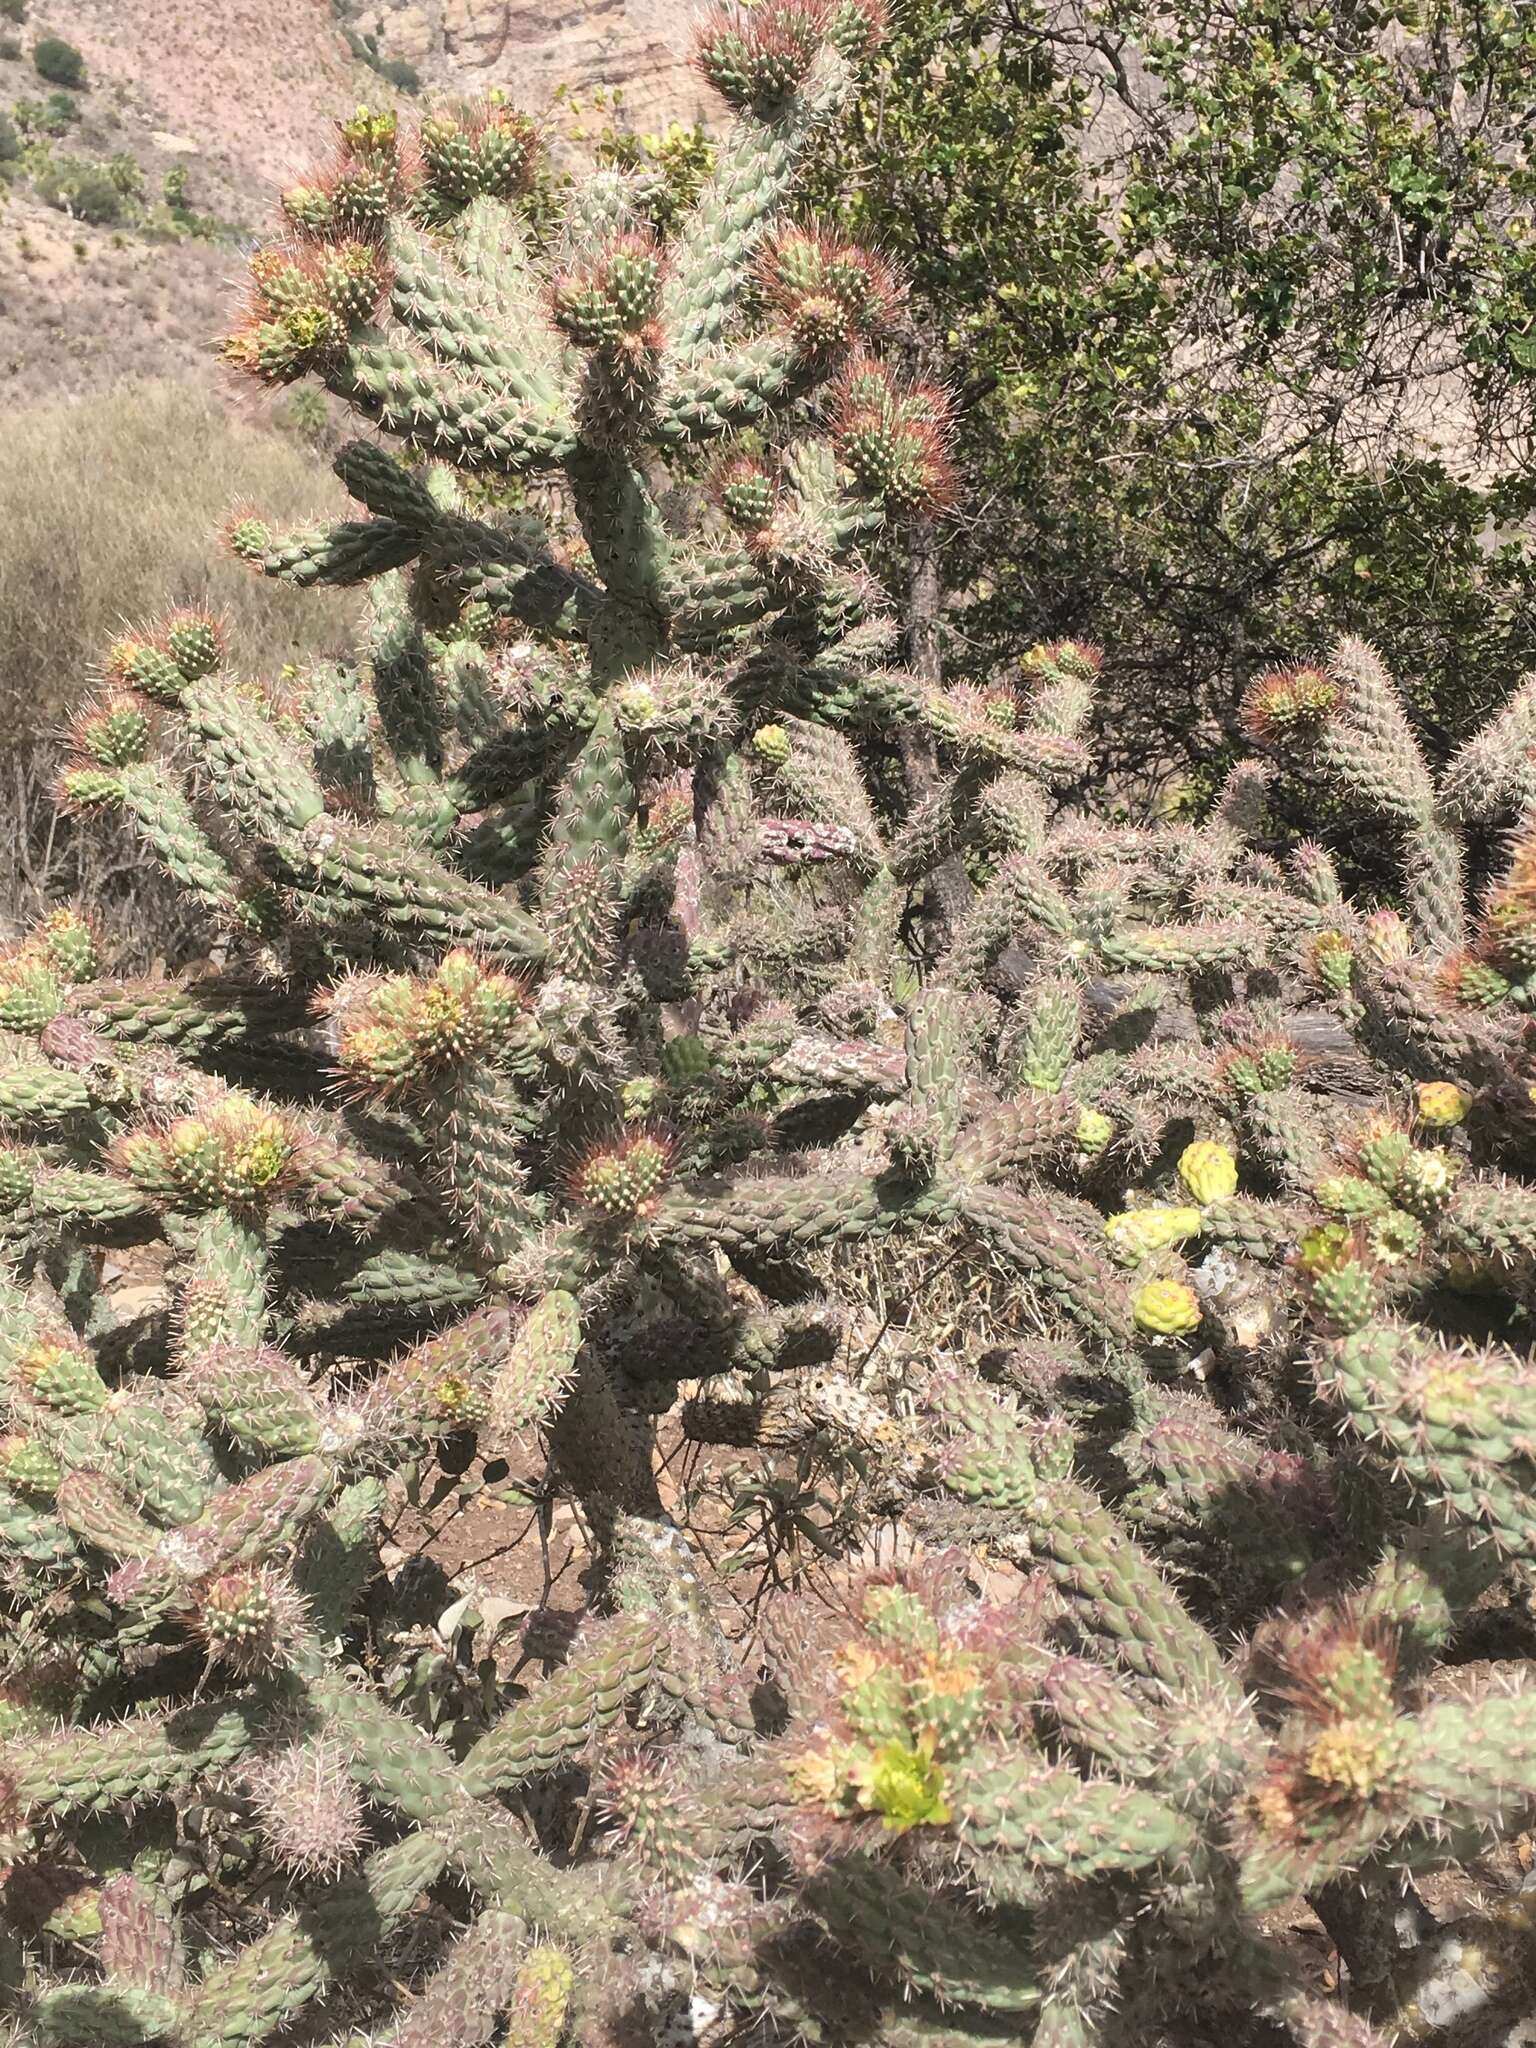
{"x": 1291, "y": 704}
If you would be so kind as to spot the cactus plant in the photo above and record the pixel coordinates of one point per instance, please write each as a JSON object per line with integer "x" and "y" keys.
{"x": 1146, "y": 1229}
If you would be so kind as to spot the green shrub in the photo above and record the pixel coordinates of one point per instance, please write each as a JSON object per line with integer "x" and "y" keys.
{"x": 10, "y": 47}
{"x": 125, "y": 175}
{"x": 13, "y": 10}
{"x": 87, "y": 191}
{"x": 1296, "y": 200}
{"x": 396, "y": 71}
{"x": 10, "y": 140}
{"x": 402, "y": 76}
{"x": 55, "y": 115}
{"x": 59, "y": 62}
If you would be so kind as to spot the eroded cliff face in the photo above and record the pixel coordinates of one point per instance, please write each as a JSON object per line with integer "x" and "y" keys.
{"x": 532, "y": 47}
{"x": 241, "y": 95}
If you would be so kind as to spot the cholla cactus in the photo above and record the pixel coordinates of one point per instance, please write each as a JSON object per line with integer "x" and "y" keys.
{"x": 570, "y": 1066}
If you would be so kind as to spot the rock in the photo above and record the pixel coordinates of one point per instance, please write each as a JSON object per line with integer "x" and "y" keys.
{"x": 639, "y": 48}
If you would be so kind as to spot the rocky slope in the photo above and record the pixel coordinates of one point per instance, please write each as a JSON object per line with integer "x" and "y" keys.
{"x": 241, "y": 94}
{"x": 534, "y": 47}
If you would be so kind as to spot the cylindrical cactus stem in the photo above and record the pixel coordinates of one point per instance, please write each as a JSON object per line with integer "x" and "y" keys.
{"x": 394, "y": 1761}
{"x": 1023, "y": 1134}
{"x": 1470, "y": 1768}
{"x": 446, "y": 1381}
{"x": 256, "y": 1397}
{"x": 1045, "y": 1050}
{"x": 1407, "y": 1020}
{"x": 254, "y": 768}
{"x": 1066, "y": 1268}
{"x": 154, "y": 1449}
{"x": 101, "y": 2016}
{"x": 164, "y": 820}
{"x": 536, "y": 1366}
{"x": 339, "y": 1556}
{"x": 767, "y": 1217}
{"x": 33, "y": 1092}
{"x": 1279, "y": 1128}
{"x": 936, "y": 1061}
{"x": 1263, "y": 1231}
{"x": 1492, "y": 1219}
{"x": 243, "y": 2000}
{"x": 94, "y": 1770}
{"x": 1057, "y": 1821}
{"x": 600, "y": 1450}
{"x": 460, "y": 2002}
{"x": 344, "y": 1185}
{"x": 1423, "y": 1587}
{"x": 1118, "y": 1592}
{"x": 555, "y": 1723}
{"x": 379, "y": 874}
{"x": 927, "y": 1942}
{"x": 405, "y": 685}
{"x": 480, "y": 1125}
{"x": 224, "y": 1291}
{"x": 97, "y": 1510}
{"x": 1457, "y": 1424}
{"x": 1098, "y": 1714}
{"x": 1081, "y": 1941}
{"x": 85, "y": 1201}
{"x": 247, "y": 1524}
{"x": 140, "y": 1941}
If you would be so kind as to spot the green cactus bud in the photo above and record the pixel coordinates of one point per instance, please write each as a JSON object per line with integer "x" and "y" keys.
{"x": 771, "y": 744}
{"x": 624, "y": 1179}
{"x": 685, "y": 1060}
{"x": 28, "y": 1465}
{"x": 1476, "y": 983}
{"x": 195, "y": 643}
{"x": 150, "y": 668}
{"x": 1394, "y": 1237}
{"x": 90, "y": 789}
{"x": 639, "y": 1098}
{"x": 70, "y": 944}
{"x": 1094, "y": 1131}
{"x": 1349, "y": 1196}
{"x": 1347, "y": 1295}
{"x": 31, "y": 992}
{"x": 58, "y": 1372}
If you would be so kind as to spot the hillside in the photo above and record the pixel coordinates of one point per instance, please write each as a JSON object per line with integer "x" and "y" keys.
{"x": 240, "y": 96}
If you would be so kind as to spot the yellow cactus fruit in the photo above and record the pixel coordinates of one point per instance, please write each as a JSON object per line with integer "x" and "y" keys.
{"x": 1166, "y": 1308}
{"x": 1138, "y": 1233}
{"x": 1441, "y": 1104}
{"x": 1208, "y": 1171}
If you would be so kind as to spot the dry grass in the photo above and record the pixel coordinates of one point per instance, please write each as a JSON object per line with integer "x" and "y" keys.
{"x": 110, "y": 507}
